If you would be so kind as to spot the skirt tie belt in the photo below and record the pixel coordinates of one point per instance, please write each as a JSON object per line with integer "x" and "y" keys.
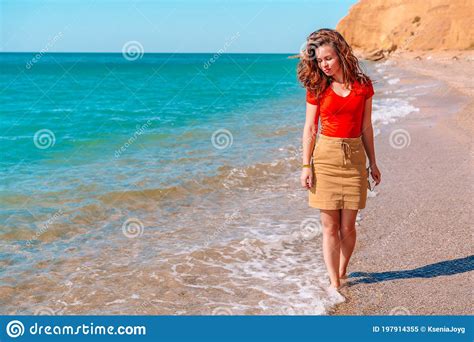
{"x": 346, "y": 150}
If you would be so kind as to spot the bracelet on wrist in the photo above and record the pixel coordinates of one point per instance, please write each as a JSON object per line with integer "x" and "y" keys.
{"x": 306, "y": 165}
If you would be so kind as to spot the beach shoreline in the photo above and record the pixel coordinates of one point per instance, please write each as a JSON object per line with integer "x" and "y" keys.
{"x": 192, "y": 251}
{"x": 413, "y": 255}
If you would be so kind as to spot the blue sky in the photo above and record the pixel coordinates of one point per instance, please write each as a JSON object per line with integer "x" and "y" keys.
{"x": 164, "y": 26}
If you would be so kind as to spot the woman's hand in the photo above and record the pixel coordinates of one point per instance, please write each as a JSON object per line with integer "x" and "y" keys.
{"x": 374, "y": 171}
{"x": 306, "y": 178}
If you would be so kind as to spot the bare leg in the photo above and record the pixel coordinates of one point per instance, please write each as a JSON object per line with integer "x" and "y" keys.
{"x": 348, "y": 238}
{"x": 330, "y": 220}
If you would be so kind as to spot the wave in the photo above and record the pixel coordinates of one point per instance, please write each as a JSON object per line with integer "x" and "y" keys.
{"x": 227, "y": 177}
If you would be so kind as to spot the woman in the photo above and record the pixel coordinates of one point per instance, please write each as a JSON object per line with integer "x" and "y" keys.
{"x": 340, "y": 95}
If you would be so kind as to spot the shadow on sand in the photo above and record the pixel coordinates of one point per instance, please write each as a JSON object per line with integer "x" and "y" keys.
{"x": 442, "y": 268}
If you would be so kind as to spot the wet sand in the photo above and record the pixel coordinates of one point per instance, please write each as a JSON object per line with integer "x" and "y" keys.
{"x": 414, "y": 253}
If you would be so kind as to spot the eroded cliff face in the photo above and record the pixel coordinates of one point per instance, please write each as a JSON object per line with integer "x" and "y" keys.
{"x": 376, "y": 28}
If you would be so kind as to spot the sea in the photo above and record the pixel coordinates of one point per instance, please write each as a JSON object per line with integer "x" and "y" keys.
{"x": 163, "y": 184}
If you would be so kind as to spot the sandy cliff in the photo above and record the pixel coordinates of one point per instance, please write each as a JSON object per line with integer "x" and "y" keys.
{"x": 376, "y": 28}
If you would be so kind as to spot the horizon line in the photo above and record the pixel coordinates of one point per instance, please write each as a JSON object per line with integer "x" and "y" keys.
{"x": 120, "y": 52}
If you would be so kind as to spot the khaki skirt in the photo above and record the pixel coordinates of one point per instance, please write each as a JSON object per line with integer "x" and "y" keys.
{"x": 340, "y": 178}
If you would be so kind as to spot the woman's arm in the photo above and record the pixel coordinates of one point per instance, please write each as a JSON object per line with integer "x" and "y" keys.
{"x": 368, "y": 140}
{"x": 309, "y": 131}
{"x": 368, "y": 131}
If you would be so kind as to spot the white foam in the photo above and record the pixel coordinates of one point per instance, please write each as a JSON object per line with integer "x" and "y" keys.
{"x": 388, "y": 110}
{"x": 117, "y": 301}
{"x": 335, "y": 295}
{"x": 393, "y": 81}
{"x": 411, "y": 89}
{"x": 288, "y": 269}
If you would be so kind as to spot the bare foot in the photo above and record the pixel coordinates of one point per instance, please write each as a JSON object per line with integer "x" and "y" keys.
{"x": 335, "y": 294}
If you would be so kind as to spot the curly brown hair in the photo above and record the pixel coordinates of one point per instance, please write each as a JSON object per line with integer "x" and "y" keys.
{"x": 308, "y": 71}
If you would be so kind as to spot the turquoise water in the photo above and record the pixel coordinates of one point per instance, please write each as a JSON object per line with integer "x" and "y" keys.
{"x": 94, "y": 103}
{"x": 160, "y": 170}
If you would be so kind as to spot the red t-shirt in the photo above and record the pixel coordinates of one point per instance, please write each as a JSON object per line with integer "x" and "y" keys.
{"x": 341, "y": 116}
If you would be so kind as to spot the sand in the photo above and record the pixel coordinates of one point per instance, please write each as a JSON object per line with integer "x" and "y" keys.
{"x": 414, "y": 252}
